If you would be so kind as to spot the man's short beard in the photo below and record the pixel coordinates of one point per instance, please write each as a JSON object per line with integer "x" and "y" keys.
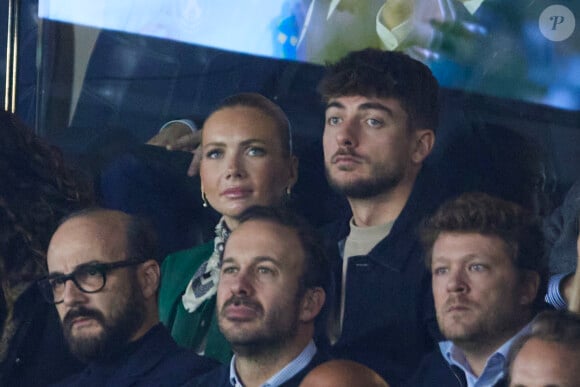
{"x": 115, "y": 335}
{"x": 365, "y": 188}
{"x": 271, "y": 340}
{"x": 264, "y": 346}
{"x": 486, "y": 332}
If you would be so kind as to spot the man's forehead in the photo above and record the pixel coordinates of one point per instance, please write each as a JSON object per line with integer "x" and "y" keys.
{"x": 549, "y": 362}
{"x": 469, "y": 245}
{"x": 358, "y": 100}
{"x": 255, "y": 238}
{"x": 84, "y": 239}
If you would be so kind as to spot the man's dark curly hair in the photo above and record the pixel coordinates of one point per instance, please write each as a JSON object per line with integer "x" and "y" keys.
{"x": 386, "y": 74}
{"x": 36, "y": 191}
{"x": 476, "y": 212}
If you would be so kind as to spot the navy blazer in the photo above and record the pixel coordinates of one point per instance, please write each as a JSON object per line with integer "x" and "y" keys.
{"x": 434, "y": 371}
{"x": 155, "y": 360}
{"x": 220, "y": 377}
{"x": 389, "y": 320}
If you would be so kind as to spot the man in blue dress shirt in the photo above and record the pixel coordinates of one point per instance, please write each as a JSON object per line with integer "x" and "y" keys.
{"x": 489, "y": 275}
{"x": 271, "y": 292}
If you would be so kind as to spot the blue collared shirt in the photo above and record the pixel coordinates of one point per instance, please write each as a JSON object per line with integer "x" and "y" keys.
{"x": 285, "y": 373}
{"x": 553, "y": 295}
{"x": 494, "y": 369}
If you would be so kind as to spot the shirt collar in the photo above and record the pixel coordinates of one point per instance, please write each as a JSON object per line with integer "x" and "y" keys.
{"x": 286, "y": 373}
{"x": 494, "y": 368}
{"x": 472, "y": 5}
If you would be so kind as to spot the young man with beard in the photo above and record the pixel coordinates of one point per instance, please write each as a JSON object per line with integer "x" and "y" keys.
{"x": 382, "y": 111}
{"x": 489, "y": 274}
{"x": 103, "y": 278}
{"x": 271, "y": 291}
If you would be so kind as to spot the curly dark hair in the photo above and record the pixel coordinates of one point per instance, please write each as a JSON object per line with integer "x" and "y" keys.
{"x": 386, "y": 74}
{"x": 476, "y": 212}
{"x": 37, "y": 190}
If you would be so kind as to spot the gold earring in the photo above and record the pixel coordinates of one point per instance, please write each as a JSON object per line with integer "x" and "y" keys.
{"x": 203, "y": 199}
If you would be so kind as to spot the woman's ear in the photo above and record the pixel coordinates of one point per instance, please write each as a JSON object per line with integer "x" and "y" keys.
{"x": 423, "y": 144}
{"x": 149, "y": 276}
{"x": 312, "y": 303}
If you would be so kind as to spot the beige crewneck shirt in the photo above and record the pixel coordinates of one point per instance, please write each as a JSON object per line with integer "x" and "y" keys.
{"x": 360, "y": 241}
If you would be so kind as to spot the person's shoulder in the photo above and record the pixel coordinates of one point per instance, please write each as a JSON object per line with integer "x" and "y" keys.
{"x": 218, "y": 377}
{"x": 77, "y": 379}
{"x": 433, "y": 371}
{"x": 161, "y": 360}
{"x": 337, "y": 229}
{"x": 193, "y": 252}
{"x": 188, "y": 258}
{"x": 431, "y": 189}
{"x": 176, "y": 271}
{"x": 196, "y": 365}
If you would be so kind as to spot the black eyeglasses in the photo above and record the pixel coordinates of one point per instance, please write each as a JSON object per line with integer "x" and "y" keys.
{"x": 89, "y": 278}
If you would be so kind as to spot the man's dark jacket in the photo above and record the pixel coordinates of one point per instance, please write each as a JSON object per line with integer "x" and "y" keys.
{"x": 434, "y": 371}
{"x": 220, "y": 377}
{"x": 154, "y": 360}
{"x": 38, "y": 354}
{"x": 389, "y": 321}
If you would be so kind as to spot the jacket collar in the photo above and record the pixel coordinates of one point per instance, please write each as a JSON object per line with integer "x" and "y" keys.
{"x": 425, "y": 196}
{"x": 139, "y": 356}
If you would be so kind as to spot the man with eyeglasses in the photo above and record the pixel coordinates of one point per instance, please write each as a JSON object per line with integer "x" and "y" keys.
{"x": 103, "y": 279}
